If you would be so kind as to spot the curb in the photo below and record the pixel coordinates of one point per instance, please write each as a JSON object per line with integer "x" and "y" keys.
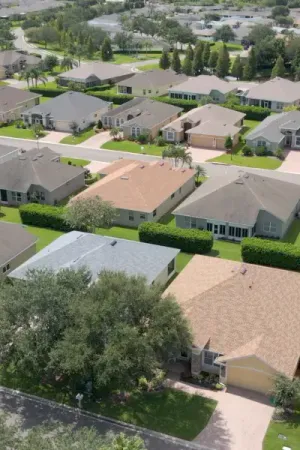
{"x": 130, "y": 427}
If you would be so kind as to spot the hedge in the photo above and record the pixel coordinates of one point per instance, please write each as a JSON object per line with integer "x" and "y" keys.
{"x": 252, "y": 112}
{"x": 187, "y": 240}
{"x": 118, "y": 99}
{"x": 46, "y": 92}
{"x": 271, "y": 253}
{"x": 186, "y": 105}
{"x": 44, "y": 216}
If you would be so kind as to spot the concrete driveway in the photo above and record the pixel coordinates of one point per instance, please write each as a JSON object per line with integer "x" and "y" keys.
{"x": 239, "y": 422}
{"x": 291, "y": 163}
{"x": 203, "y": 154}
{"x": 97, "y": 140}
{"x": 54, "y": 137}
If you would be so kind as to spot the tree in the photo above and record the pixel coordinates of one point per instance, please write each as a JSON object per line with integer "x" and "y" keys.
{"x": 26, "y": 75}
{"x": 229, "y": 144}
{"x": 197, "y": 67}
{"x": 114, "y": 132}
{"x": 123, "y": 40}
{"x": 280, "y": 10}
{"x": 187, "y": 66}
{"x": 90, "y": 213}
{"x": 74, "y": 127}
{"x": 48, "y": 35}
{"x": 279, "y": 68}
{"x": 38, "y": 130}
{"x": 259, "y": 33}
{"x": 237, "y": 68}
{"x": 77, "y": 87}
{"x": 249, "y": 70}
{"x": 90, "y": 48}
{"x": 205, "y": 100}
{"x": 200, "y": 172}
{"x": 68, "y": 63}
{"x": 106, "y": 50}
{"x": 177, "y": 153}
{"x": 206, "y": 54}
{"x": 296, "y": 60}
{"x": 38, "y": 75}
{"x": 223, "y": 62}
{"x": 50, "y": 62}
{"x": 175, "y": 63}
{"x": 164, "y": 62}
{"x": 285, "y": 391}
{"x": 213, "y": 60}
{"x": 224, "y": 34}
{"x": 189, "y": 52}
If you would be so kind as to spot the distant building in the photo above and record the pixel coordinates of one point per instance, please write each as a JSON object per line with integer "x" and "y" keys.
{"x": 14, "y": 101}
{"x": 12, "y": 61}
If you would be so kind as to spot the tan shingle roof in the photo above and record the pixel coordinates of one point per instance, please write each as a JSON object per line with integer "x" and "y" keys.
{"x": 154, "y": 79}
{"x": 139, "y": 186}
{"x": 99, "y": 69}
{"x": 204, "y": 84}
{"x": 278, "y": 89}
{"x": 255, "y": 313}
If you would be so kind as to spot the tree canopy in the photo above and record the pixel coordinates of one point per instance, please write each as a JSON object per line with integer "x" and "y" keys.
{"x": 224, "y": 34}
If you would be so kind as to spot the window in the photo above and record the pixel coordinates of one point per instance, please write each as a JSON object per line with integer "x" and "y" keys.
{"x": 5, "y": 268}
{"x": 209, "y": 358}
{"x": 170, "y": 136}
{"x": 95, "y": 115}
{"x": 238, "y": 232}
{"x": 131, "y": 216}
{"x": 222, "y": 230}
{"x": 149, "y": 91}
{"x": 209, "y": 226}
{"x": 269, "y": 227}
{"x": 142, "y": 216}
{"x": 298, "y": 141}
{"x": 279, "y": 106}
{"x": 133, "y": 131}
{"x": 157, "y": 92}
{"x": 16, "y": 196}
{"x": 216, "y": 229}
{"x": 19, "y": 197}
{"x": 261, "y": 143}
{"x": 179, "y": 190}
{"x": 193, "y": 97}
{"x": 171, "y": 267}
{"x": 117, "y": 122}
{"x": 190, "y": 222}
{"x": 193, "y": 222}
{"x": 144, "y": 91}
{"x": 105, "y": 120}
{"x": 231, "y": 231}
{"x": 244, "y": 232}
{"x": 42, "y": 196}
{"x": 223, "y": 370}
{"x": 154, "y": 213}
{"x": 138, "y": 131}
{"x": 173, "y": 195}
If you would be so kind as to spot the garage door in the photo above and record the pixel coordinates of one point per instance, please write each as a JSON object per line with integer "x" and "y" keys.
{"x": 250, "y": 379}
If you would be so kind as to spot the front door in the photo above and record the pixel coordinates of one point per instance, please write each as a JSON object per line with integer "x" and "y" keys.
{"x": 3, "y": 195}
{"x": 288, "y": 140}
{"x": 223, "y": 373}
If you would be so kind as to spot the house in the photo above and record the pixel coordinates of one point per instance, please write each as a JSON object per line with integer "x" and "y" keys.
{"x": 141, "y": 116}
{"x": 16, "y": 246}
{"x": 202, "y": 86}
{"x": 60, "y": 113}
{"x": 7, "y": 153}
{"x": 244, "y": 319}
{"x": 95, "y": 74}
{"x": 277, "y": 131}
{"x": 150, "y": 83}
{"x": 142, "y": 191}
{"x": 12, "y": 61}
{"x": 206, "y": 126}
{"x": 38, "y": 174}
{"x": 274, "y": 94}
{"x": 98, "y": 253}
{"x": 235, "y": 206}
{"x": 14, "y": 101}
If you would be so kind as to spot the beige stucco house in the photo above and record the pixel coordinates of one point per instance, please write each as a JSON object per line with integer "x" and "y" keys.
{"x": 16, "y": 246}
{"x": 206, "y": 126}
{"x": 142, "y": 191}
{"x": 150, "y": 83}
{"x": 244, "y": 319}
{"x": 14, "y": 101}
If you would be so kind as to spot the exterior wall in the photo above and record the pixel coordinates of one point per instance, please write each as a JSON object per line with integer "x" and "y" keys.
{"x": 180, "y": 222}
{"x": 71, "y": 186}
{"x": 273, "y": 105}
{"x": 18, "y": 260}
{"x": 201, "y": 140}
{"x": 144, "y": 92}
{"x": 178, "y": 136}
{"x": 285, "y": 225}
{"x": 93, "y": 80}
{"x": 217, "y": 96}
{"x": 2, "y": 72}
{"x": 263, "y": 218}
{"x": 12, "y": 202}
{"x": 272, "y": 146}
{"x": 164, "y": 276}
{"x": 16, "y": 113}
{"x": 153, "y": 132}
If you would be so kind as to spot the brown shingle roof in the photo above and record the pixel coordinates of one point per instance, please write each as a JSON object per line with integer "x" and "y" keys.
{"x": 10, "y": 97}
{"x": 139, "y": 186}
{"x": 255, "y": 313}
{"x": 14, "y": 239}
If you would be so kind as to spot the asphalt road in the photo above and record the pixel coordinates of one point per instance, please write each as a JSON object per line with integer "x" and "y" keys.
{"x": 32, "y": 412}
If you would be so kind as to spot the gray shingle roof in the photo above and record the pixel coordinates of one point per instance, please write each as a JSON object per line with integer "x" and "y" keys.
{"x": 239, "y": 198}
{"x": 100, "y": 70}
{"x": 152, "y": 79}
{"x": 8, "y": 57}
{"x": 6, "y": 150}
{"x": 98, "y": 253}
{"x": 70, "y": 106}
{"x": 204, "y": 84}
{"x": 278, "y": 89}
{"x": 36, "y": 167}
{"x": 10, "y": 97}
{"x": 14, "y": 239}
{"x": 271, "y": 126}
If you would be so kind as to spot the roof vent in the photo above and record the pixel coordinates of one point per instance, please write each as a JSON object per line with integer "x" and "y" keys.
{"x": 246, "y": 175}
{"x": 161, "y": 163}
{"x": 40, "y": 155}
{"x": 183, "y": 170}
{"x": 34, "y": 159}
{"x": 113, "y": 243}
{"x": 124, "y": 177}
{"x": 22, "y": 157}
{"x": 142, "y": 166}
{"x": 239, "y": 182}
{"x": 243, "y": 270}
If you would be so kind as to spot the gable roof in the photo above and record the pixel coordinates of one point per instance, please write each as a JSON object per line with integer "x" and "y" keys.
{"x": 69, "y": 106}
{"x": 10, "y": 97}
{"x": 270, "y": 127}
{"x": 254, "y": 311}
{"x": 14, "y": 239}
{"x": 36, "y": 167}
{"x": 204, "y": 84}
{"x": 98, "y": 69}
{"x": 8, "y": 57}
{"x": 139, "y": 186}
{"x": 277, "y": 89}
{"x": 239, "y": 199}
{"x": 152, "y": 79}
{"x": 97, "y": 253}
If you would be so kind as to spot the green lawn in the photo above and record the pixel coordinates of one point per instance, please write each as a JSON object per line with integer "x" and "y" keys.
{"x": 226, "y": 250}
{"x": 80, "y": 137}
{"x": 230, "y": 47}
{"x": 3, "y": 83}
{"x": 12, "y": 131}
{"x": 149, "y": 67}
{"x": 133, "y": 147}
{"x": 290, "y": 429}
{"x": 123, "y": 59}
{"x": 74, "y": 161}
{"x": 44, "y": 99}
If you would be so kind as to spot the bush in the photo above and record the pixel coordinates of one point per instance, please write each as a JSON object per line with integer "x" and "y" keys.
{"x": 44, "y": 216}
{"x": 91, "y": 179}
{"x": 46, "y": 92}
{"x": 186, "y": 105}
{"x": 99, "y": 124}
{"x": 247, "y": 151}
{"x": 279, "y": 153}
{"x": 159, "y": 141}
{"x": 187, "y": 240}
{"x": 103, "y": 87}
{"x": 118, "y": 99}
{"x": 143, "y": 138}
{"x": 252, "y": 112}
{"x": 271, "y": 253}
{"x": 261, "y": 151}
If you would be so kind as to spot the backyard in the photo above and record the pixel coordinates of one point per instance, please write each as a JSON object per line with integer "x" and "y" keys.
{"x": 133, "y": 147}
{"x": 290, "y": 429}
{"x": 79, "y": 137}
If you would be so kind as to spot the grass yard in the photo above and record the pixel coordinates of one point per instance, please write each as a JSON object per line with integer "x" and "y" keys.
{"x": 123, "y": 59}
{"x": 44, "y": 99}
{"x": 80, "y": 137}
{"x": 149, "y": 67}
{"x": 133, "y": 147}
{"x": 290, "y": 429}
{"x": 75, "y": 162}
{"x": 12, "y": 131}
{"x": 3, "y": 83}
{"x": 226, "y": 250}
{"x": 230, "y": 47}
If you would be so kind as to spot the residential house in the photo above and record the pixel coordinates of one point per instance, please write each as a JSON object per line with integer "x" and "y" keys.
{"x": 14, "y": 101}
{"x": 141, "y": 116}
{"x": 244, "y": 320}
{"x": 16, "y": 246}
{"x": 206, "y": 126}
{"x": 150, "y": 83}
{"x": 203, "y": 86}
{"x": 277, "y": 131}
{"x": 95, "y": 74}
{"x": 142, "y": 191}
{"x": 98, "y": 253}
{"x": 12, "y": 61}
{"x": 235, "y": 206}
{"x": 38, "y": 174}
{"x": 62, "y": 112}
{"x": 274, "y": 94}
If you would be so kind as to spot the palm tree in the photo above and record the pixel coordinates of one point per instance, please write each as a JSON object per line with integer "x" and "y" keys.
{"x": 68, "y": 63}
{"x": 186, "y": 158}
{"x": 26, "y": 75}
{"x": 38, "y": 75}
{"x": 114, "y": 133}
{"x": 200, "y": 172}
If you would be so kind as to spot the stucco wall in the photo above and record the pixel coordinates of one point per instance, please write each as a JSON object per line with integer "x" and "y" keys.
{"x": 205, "y": 141}
{"x": 265, "y": 217}
{"x": 153, "y": 131}
{"x": 73, "y": 185}
{"x": 18, "y": 260}
{"x": 16, "y": 113}
{"x": 163, "y": 277}
{"x": 217, "y": 96}
{"x": 272, "y": 146}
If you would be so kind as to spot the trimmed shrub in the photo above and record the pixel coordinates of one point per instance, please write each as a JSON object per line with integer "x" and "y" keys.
{"x": 187, "y": 240}
{"x": 279, "y": 153}
{"x": 118, "y": 99}
{"x": 143, "y": 138}
{"x": 159, "y": 141}
{"x": 186, "y": 105}
{"x": 47, "y": 92}
{"x": 261, "y": 151}
{"x": 271, "y": 253}
{"x": 44, "y": 216}
{"x": 247, "y": 151}
{"x": 92, "y": 179}
{"x": 252, "y": 112}
{"x": 103, "y": 87}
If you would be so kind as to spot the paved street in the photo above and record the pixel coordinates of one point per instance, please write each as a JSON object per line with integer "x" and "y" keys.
{"x": 33, "y": 412}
